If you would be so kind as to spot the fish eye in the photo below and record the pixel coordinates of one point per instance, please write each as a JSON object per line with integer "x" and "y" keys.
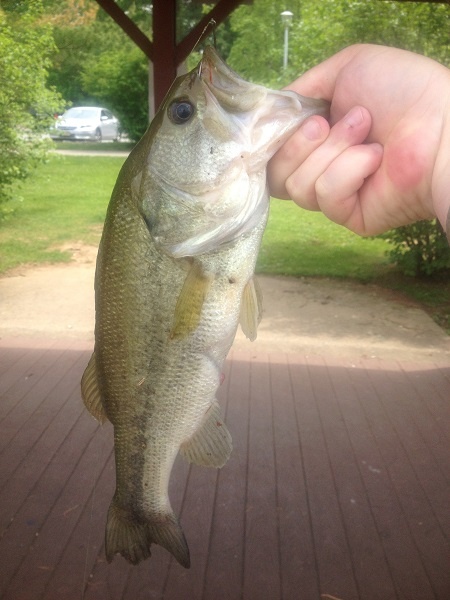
{"x": 180, "y": 111}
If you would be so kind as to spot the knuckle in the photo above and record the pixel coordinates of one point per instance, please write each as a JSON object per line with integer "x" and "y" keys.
{"x": 302, "y": 195}
{"x": 323, "y": 187}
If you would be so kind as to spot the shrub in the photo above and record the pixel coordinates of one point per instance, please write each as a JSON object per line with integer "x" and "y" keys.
{"x": 26, "y": 104}
{"x": 420, "y": 249}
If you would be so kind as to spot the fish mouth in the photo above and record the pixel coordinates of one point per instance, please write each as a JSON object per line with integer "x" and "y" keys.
{"x": 233, "y": 93}
{"x": 236, "y": 95}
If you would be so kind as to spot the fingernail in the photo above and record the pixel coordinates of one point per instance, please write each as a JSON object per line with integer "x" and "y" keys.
{"x": 312, "y": 130}
{"x": 354, "y": 117}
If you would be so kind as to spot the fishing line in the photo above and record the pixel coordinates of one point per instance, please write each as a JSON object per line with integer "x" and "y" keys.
{"x": 213, "y": 24}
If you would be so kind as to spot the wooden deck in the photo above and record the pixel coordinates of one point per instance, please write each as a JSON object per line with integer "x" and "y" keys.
{"x": 338, "y": 486}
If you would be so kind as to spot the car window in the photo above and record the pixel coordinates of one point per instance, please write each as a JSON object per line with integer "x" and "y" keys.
{"x": 80, "y": 113}
{"x": 107, "y": 114}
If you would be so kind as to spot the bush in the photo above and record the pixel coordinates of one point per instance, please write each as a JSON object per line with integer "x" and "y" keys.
{"x": 420, "y": 249}
{"x": 26, "y": 105}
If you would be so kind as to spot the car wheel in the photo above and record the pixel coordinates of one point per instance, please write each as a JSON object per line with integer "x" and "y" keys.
{"x": 98, "y": 135}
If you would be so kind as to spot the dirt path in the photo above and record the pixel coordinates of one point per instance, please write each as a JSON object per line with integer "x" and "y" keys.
{"x": 318, "y": 316}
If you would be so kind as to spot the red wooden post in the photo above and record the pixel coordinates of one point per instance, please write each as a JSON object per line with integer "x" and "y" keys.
{"x": 164, "y": 47}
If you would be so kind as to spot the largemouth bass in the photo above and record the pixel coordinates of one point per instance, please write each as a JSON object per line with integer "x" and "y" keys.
{"x": 174, "y": 278}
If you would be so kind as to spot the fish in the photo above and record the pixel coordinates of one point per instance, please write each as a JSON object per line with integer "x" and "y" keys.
{"x": 174, "y": 278}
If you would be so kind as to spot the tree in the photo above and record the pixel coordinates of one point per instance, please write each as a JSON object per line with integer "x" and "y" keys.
{"x": 77, "y": 48}
{"x": 320, "y": 29}
{"x": 94, "y": 62}
{"x": 26, "y": 104}
{"x": 119, "y": 78}
{"x": 251, "y": 40}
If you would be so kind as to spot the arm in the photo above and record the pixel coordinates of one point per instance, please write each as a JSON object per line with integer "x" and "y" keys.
{"x": 384, "y": 159}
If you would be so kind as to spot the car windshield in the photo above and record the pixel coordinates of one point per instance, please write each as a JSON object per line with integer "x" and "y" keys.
{"x": 80, "y": 113}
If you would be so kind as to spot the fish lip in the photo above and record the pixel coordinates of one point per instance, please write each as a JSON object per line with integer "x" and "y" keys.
{"x": 232, "y": 92}
{"x": 212, "y": 62}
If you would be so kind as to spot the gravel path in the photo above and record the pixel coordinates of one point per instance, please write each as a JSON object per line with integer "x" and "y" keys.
{"x": 306, "y": 315}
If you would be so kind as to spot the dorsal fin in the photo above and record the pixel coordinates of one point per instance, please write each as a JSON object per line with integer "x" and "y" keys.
{"x": 90, "y": 393}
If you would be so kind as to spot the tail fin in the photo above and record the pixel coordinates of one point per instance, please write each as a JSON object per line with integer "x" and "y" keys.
{"x": 132, "y": 538}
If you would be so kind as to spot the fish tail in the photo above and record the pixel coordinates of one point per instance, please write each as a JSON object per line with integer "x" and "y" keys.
{"x": 167, "y": 532}
{"x": 132, "y": 538}
{"x": 125, "y": 535}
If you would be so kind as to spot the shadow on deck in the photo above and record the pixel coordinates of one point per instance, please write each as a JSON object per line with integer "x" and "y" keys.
{"x": 337, "y": 487}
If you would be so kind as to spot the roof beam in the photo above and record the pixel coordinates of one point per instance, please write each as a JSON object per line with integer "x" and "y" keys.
{"x": 128, "y": 26}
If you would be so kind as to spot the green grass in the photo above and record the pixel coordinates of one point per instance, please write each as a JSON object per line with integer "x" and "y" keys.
{"x": 81, "y": 145}
{"x": 65, "y": 201}
{"x": 302, "y": 243}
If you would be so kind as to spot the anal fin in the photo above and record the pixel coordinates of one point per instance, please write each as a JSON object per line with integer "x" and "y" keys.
{"x": 90, "y": 393}
{"x": 211, "y": 444}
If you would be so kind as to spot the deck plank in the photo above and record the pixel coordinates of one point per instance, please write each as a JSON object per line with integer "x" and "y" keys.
{"x": 224, "y": 572}
{"x": 18, "y": 541}
{"x": 332, "y": 550}
{"x": 298, "y": 568}
{"x": 354, "y": 480}
{"x": 383, "y": 475}
{"x": 416, "y": 475}
{"x": 261, "y": 506}
{"x": 31, "y": 579}
{"x": 21, "y": 379}
{"x": 10, "y": 358}
{"x": 338, "y": 484}
{"x": 27, "y": 429}
{"x": 85, "y": 545}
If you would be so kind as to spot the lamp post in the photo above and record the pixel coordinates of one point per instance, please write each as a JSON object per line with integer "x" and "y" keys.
{"x": 286, "y": 19}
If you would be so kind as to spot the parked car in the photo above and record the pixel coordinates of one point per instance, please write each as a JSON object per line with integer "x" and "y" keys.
{"x": 86, "y": 123}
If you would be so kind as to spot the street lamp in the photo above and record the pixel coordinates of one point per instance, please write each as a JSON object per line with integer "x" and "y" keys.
{"x": 286, "y": 19}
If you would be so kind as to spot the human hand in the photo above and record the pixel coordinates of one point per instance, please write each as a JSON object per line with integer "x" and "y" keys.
{"x": 384, "y": 159}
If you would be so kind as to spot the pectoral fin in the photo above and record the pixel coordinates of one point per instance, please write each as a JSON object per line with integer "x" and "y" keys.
{"x": 190, "y": 301}
{"x": 251, "y": 309}
{"x": 210, "y": 446}
{"x": 90, "y": 393}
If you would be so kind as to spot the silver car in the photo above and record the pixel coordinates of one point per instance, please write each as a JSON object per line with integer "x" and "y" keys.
{"x": 86, "y": 123}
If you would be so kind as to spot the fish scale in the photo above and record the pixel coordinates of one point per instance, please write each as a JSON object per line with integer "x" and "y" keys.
{"x": 174, "y": 278}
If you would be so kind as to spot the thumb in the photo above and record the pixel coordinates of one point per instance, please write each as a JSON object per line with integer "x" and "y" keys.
{"x": 320, "y": 81}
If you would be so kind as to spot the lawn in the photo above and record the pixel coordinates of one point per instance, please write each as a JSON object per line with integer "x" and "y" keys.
{"x": 88, "y": 146}
{"x": 66, "y": 199}
{"x": 303, "y": 243}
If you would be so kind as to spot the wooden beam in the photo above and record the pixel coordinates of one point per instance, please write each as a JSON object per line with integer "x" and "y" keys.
{"x": 128, "y": 26}
{"x": 219, "y": 13}
{"x": 164, "y": 44}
